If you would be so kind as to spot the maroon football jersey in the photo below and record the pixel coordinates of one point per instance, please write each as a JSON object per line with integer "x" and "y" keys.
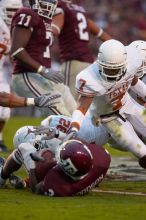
{"x": 74, "y": 37}
{"x": 38, "y": 46}
{"x": 57, "y": 183}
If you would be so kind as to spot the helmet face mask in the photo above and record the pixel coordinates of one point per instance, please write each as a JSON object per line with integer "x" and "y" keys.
{"x": 44, "y": 8}
{"x": 112, "y": 60}
{"x": 142, "y": 70}
{"x": 75, "y": 159}
{"x": 112, "y": 75}
{"x": 141, "y": 46}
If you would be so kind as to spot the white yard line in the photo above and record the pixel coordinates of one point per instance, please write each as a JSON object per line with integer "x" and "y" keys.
{"x": 119, "y": 192}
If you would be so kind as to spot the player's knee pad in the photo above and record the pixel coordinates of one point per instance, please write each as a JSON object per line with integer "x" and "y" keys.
{"x": 142, "y": 162}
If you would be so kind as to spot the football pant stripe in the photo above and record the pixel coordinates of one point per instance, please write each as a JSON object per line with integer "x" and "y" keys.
{"x": 67, "y": 72}
{"x": 37, "y": 93}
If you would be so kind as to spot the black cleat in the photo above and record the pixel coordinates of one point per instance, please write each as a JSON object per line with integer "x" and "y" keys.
{"x": 3, "y": 147}
{"x": 2, "y": 181}
{"x": 17, "y": 182}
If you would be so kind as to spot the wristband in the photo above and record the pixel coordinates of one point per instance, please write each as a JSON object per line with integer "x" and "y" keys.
{"x": 30, "y": 102}
{"x": 40, "y": 69}
{"x": 100, "y": 33}
{"x": 17, "y": 51}
{"x": 56, "y": 27}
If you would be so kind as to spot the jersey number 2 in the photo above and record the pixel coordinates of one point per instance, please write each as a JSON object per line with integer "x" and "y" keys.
{"x": 82, "y": 25}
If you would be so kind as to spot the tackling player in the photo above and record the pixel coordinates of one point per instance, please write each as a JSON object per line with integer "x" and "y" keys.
{"x": 105, "y": 95}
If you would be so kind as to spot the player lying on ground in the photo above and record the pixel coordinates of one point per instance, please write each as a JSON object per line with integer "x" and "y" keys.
{"x": 75, "y": 169}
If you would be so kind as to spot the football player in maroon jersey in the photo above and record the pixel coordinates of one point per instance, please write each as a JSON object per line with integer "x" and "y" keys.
{"x": 30, "y": 50}
{"x": 73, "y": 28}
{"x": 76, "y": 169}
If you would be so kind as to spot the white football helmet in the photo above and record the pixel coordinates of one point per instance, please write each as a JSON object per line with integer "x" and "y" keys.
{"x": 141, "y": 46}
{"x": 24, "y": 135}
{"x": 112, "y": 60}
{"x": 8, "y": 9}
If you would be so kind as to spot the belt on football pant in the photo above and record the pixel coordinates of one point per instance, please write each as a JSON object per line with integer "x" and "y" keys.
{"x": 107, "y": 117}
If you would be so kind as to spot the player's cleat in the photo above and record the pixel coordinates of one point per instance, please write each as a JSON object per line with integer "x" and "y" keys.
{"x": 17, "y": 182}
{"x": 3, "y": 147}
{"x": 2, "y": 181}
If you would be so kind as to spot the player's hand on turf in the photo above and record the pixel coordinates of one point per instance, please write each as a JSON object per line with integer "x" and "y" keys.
{"x": 47, "y": 100}
{"x": 52, "y": 75}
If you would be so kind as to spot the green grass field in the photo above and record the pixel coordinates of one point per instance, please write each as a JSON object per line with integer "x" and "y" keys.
{"x": 21, "y": 204}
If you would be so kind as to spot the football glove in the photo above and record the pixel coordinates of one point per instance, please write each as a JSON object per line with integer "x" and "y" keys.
{"x": 53, "y": 75}
{"x": 72, "y": 134}
{"x": 47, "y": 132}
{"x": 47, "y": 100}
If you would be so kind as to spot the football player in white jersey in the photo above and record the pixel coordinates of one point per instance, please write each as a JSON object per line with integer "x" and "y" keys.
{"x": 4, "y": 76}
{"x": 103, "y": 89}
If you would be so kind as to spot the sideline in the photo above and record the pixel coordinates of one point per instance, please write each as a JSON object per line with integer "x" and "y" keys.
{"x": 119, "y": 192}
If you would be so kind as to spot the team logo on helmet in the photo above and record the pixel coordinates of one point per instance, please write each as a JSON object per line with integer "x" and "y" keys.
{"x": 75, "y": 159}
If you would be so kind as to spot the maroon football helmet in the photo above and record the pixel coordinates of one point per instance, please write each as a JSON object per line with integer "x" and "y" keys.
{"x": 45, "y": 8}
{"x": 75, "y": 159}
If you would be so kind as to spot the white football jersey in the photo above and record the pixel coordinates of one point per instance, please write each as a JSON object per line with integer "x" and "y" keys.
{"x": 108, "y": 96}
{"x": 4, "y": 43}
{"x": 88, "y": 132}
